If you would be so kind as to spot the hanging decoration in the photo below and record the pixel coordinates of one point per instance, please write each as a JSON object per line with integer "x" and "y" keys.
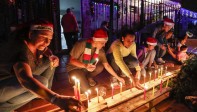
{"x": 188, "y": 13}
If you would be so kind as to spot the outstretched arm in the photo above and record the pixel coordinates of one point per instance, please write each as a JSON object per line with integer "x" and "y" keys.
{"x": 25, "y": 77}
{"x": 112, "y": 72}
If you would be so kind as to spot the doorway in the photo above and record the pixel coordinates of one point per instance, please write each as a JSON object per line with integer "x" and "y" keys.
{"x": 75, "y": 6}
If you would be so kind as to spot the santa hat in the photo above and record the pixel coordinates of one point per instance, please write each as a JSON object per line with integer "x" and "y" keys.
{"x": 48, "y": 27}
{"x": 168, "y": 22}
{"x": 100, "y": 35}
{"x": 151, "y": 41}
{"x": 189, "y": 34}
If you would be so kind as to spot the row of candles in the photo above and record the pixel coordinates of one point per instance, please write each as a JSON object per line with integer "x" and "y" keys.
{"x": 88, "y": 93}
{"x": 160, "y": 75}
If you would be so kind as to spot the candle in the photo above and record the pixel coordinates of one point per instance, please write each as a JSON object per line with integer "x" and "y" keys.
{"x": 112, "y": 91}
{"x": 155, "y": 75}
{"x": 89, "y": 92}
{"x": 144, "y": 78}
{"x": 75, "y": 87}
{"x": 120, "y": 88}
{"x": 87, "y": 95}
{"x": 51, "y": 65}
{"x": 158, "y": 72}
{"x": 131, "y": 83}
{"x": 153, "y": 90}
{"x": 78, "y": 89}
{"x": 161, "y": 71}
{"x": 167, "y": 82}
{"x": 167, "y": 74}
{"x": 96, "y": 61}
{"x": 161, "y": 86}
{"x": 145, "y": 87}
{"x": 150, "y": 77}
{"x": 97, "y": 94}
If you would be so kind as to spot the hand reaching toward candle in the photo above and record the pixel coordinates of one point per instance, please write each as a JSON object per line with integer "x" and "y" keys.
{"x": 90, "y": 67}
{"x": 121, "y": 80}
{"x": 54, "y": 61}
{"x": 67, "y": 103}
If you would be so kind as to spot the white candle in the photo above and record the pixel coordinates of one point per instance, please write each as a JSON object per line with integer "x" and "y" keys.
{"x": 120, "y": 87}
{"x": 144, "y": 78}
{"x": 150, "y": 77}
{"x": 112, "y": 86}
{"x": 97, "y": 94}
{"x": 75, "y": 87}
{"x": 96, "y": 61}
{"x": 78, "y": 89}
{"x": 87, "y": 97}
{"x": 89, "y": 92}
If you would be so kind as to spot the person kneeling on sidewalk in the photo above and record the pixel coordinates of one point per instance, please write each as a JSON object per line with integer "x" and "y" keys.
{"x": 146, "y": 54}
{"x": 87, "y": 59}
{"x": 122, "y": 56}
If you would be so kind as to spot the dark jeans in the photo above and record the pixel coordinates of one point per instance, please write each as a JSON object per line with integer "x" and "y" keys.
{"x": 130, "y": 61}
{"x": 71, "y": 39}
{"x": 13, "y": 95}
{"x": 159, "y": 52}
{"x": 83, "y": 75}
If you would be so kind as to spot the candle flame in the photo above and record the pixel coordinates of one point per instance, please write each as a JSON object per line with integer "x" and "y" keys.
{"x": 74, "y": 78}
{"x": 131, "y": 80}
{"x": 96, "y": 89}
{"x": 89, "y": 91}
{"x": 78, "y": 80}
{"x": 86, "y": 94}
{"x": 120, "y": 83}
{"x": 168, "y": 74}
{"x": 112, "y": 85}
{"x": 145, "y": 86}
{"x": 144, "y": 75}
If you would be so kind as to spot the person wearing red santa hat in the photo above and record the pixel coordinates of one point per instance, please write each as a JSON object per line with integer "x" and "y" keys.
{"x": 146, "y": 54}
{"x": 153, "y": 29}
{"x": 27, "y": 68}
{"x": 87, "y": 59}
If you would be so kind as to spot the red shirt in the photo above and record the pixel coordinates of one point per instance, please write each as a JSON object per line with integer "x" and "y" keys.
{"x": 69, "y": 23}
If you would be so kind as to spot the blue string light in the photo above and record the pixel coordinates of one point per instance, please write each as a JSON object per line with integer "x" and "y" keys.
{"x": 188, "y": 13}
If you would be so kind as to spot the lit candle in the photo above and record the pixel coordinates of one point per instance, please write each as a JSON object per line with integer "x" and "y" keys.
{"x": 150, "y": 77}
{"x": 155, "y": 75}
{"x": 161, "y": 86}
{"x": 97, "y": 94}
{"x": 87, "y": 95}
{"x": 89, "y": 92}
{"x": 161, "y": 71}
{"x": 75, "y": 86}
{"x": 166, "y": 68}
{"x": 112, "y": 91}
{"x": 145, "y": 87}
{"x": 158, "y": 72}
{"x": 167, "y": 82}
{"x": 144, "y": 78}
{"x": 153, "y": 90}
{"x": 120, "y": 88}
{"x": 51, "y": 65}
{"x": 78, "y": 89}
{"x": 96, "y": 61}
{"x": 131, "y": 83}
{"x": 167, "y": 74}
